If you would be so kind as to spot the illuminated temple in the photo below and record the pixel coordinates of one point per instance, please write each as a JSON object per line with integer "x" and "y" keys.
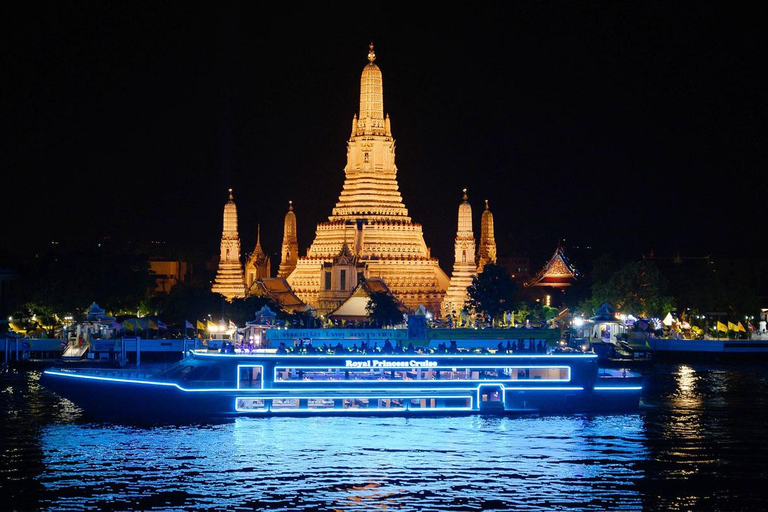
{"x": 369, "y": 237}
{"x": 230, "y": 281}
{"x": 464, "y": 266}
{"x": 369, "y": 233}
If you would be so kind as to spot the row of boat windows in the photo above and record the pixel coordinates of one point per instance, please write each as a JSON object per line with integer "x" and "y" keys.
{"x": 318, "y": 404}
{"x": 346, "y": 374}
{"x": 251, "y": 376}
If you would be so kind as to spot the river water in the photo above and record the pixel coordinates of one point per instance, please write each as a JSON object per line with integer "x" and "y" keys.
{"x": 699, "y": 442}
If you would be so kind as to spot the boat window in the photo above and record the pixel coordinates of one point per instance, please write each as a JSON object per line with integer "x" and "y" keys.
{"x": 285, "y": 403}
{"x": 249, "y": 377}
{"x": 554, "y": 373}
{"x": 389, "y": 403}
{"x": 251, "y": 404}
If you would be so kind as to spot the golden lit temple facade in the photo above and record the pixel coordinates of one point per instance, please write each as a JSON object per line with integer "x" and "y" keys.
{"x": 290, "y": 248}
{"x": 486, "y": 253}
{"x": 258, "y": 265}
{"x": 229, "y": 280}
{"x": 369, "y": 232}
{"x": 464, "y": 266}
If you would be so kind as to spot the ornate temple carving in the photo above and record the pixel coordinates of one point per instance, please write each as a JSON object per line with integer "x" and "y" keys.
{"x": 486, "y": 253}
{"x": 370, "y": 218}
{"x": 229, "y": 280}
{"x": 290, "y": 251}
{"x": 556, "y": 273}
{"x": 258, "y": 265}
{"x": 464, "y": 266}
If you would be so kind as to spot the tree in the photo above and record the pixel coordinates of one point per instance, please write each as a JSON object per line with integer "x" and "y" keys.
{"x": 67, "y": 282}
{"x": 384, "y": 309}
{"x": 491, "y": 292}
{"x": 638, "y": 288}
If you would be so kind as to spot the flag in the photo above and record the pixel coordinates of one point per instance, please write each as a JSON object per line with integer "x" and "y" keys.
{"x": 128, "y": 325}
{"x": 732, "y": 327}
{"x": 200, "y": 326}
{"x": 232, "y": 325}
{"x": 188, "y": 325}
{"x": 741, "y": 328}
{"x": 138, "y": 325}
{"x": 161, "y": 325}
{"x": 152, "y": 325}
{"x": 721, "y": 326}
{"x": 211, "y": 324}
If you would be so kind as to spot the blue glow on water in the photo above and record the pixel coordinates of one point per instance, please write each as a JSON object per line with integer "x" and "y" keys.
{"x": 349, "y": 463}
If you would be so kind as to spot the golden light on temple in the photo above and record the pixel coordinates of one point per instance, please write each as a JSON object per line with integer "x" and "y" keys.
{"x": 369, "y": 233}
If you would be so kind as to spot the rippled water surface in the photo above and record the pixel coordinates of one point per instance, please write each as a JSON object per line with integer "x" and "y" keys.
{"x": 698, "y": 443}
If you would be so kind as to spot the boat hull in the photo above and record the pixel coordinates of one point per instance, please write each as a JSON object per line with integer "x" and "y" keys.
{"x": 101, "y": 395}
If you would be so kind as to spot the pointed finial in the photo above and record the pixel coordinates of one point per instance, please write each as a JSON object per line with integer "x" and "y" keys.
{"x": 371, "y": 55}
{"x": 465, "y": 194}
{"x": 290, "y": 206}
{"x": 486, "y": 204}
{"x": 258, "y": 234}
{"x": 230, "y": 195}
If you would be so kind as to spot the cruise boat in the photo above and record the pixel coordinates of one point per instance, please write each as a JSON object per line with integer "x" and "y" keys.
{"x": 266, "y": 383}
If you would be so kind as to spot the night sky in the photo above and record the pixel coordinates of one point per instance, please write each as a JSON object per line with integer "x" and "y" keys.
{"x": 627, "y": 127}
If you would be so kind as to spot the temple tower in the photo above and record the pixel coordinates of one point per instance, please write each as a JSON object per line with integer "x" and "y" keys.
{"x": 370, "y": 216}
{"x": 229, "y": 277}
{"x": 487, "y": 251}
{"x": 258, "y": 265}
{"x": 290, "y": 251}
{"x": 464, "y": 266}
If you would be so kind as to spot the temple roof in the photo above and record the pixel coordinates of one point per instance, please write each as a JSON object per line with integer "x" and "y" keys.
{"x": 354, "y": 307}
{"x": 557, "y": 272}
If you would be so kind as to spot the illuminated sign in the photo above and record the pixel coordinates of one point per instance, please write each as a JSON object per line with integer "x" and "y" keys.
{"x": 384, "y": 363}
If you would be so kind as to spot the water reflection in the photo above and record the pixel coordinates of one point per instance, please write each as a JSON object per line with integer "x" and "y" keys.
{"x": 349, "y": 463}
{"x": 699, "y": 445}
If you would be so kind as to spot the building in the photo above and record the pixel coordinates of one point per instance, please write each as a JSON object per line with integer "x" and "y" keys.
{"x": 464, "y": 265}
{"x": 229, "y": 280}
{"x": 258, "y": 265}
{"x": 290, "y": 249}
{"x": 371, "y": 220}
{"x": 486, "y": 253}
{"x": 549, "y": 284}
{"x": 168, "y": 273}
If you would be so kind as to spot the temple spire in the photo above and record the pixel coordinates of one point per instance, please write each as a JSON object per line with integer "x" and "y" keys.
{"x": 258, "y": 265}
{"x": 464, "y": 267}
{"x": 290, "y": 249}
{"x": 487, "y": 250}
{"x": 229, "y": 280}
{"x": 370, "y": 220}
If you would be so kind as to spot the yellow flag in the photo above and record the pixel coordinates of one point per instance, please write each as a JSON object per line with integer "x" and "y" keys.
{"x": 127, "y": 324}
{"x": 741, "y": 328}
{"x": 721, "y": 326}
{"x": 200, "y": 326}
{"x": 152, "y": 325}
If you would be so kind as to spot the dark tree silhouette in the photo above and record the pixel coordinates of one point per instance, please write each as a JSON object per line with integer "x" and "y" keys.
{"x": 491, "y": 292}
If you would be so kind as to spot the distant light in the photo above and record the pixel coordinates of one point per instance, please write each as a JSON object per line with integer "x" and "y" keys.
{"x": 578, "y": 321}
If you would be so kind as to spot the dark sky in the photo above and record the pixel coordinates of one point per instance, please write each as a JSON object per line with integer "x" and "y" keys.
{"x": 622, "y": 126}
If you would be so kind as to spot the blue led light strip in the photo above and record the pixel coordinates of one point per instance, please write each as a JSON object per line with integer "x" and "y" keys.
{"x": 129, "y": 381}
{"x": 618, "y": 388}
{"x": 470, "y": 407}
{"x": 278, "y": 369}
{"x": 408, "y": 356}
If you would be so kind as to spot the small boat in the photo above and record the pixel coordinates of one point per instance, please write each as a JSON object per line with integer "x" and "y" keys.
{"x": 214, "y": 384}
